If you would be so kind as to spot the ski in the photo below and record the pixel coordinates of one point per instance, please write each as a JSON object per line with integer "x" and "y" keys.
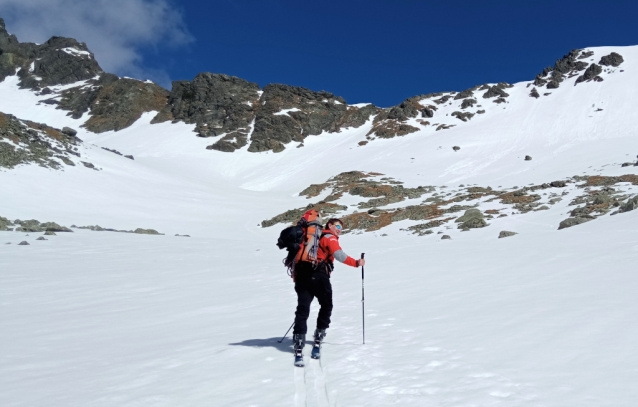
{"x": 299, "y": 361}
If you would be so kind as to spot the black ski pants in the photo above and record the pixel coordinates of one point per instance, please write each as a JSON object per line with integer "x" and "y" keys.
{"x": 309, "y": 284}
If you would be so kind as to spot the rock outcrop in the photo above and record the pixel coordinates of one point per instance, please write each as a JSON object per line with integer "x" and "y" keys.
{"x": 24, "y": 142}
{"x": 120, "y": 103}
{"x": 290, "y": 113}
{"x": 59, "y": 61}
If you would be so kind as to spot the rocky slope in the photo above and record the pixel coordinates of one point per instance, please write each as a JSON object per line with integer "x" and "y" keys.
{"x": 65, "y": 73}
{"x": 26, "y": 142}
{"x": 465, "y": 208}
{"x": 236, "y": 114}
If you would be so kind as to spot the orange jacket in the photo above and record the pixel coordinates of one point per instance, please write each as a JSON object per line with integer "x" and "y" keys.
{"x": 329, "y": 250}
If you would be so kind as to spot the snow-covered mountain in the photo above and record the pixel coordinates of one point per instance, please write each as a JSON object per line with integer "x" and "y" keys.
{"x": 454, "y": 315}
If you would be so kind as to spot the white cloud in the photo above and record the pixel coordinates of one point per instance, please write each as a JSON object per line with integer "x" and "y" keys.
{"x": 114, "y": 30}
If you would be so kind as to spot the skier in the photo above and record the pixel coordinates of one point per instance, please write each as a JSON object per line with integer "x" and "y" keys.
{"x": 313, "y": 282}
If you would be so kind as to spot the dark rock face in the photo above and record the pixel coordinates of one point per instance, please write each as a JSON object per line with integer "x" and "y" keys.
{"x": 463, "y": 116}
{"x": 391, "y": 122}
{"x": 586, "y": 54}
{"x": 58, "y": 61}
{"x": 613, "y": 59}
{"x": 289, "y": 113}
{"x": 534, "y": 93}
{"x": 427, "y": 112}
{"x": 497, "y": 90}
{"x": 468, "y": 103}
{"x": 24, "y": 142}
{"x": 590, "y": 73}
{"x": 121, "y": 103}
{"x": 567, "y": 65}
{"x": 466, "y": 93}
{"x": 221, "y": 104}
{"x": 216, "y": 103}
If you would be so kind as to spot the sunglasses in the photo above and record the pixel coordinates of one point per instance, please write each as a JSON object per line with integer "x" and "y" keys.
{"x": 338, "y": 226}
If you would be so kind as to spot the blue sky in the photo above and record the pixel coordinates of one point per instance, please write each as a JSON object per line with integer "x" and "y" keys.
{"x": 375, "y": 51}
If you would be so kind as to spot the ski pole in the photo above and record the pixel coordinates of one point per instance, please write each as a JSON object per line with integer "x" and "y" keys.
{"x": 363, "y": 304}
{"x": 282, "y": 339}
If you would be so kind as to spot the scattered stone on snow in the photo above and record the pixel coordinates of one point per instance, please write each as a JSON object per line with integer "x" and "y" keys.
{"x": 506, "y": 233}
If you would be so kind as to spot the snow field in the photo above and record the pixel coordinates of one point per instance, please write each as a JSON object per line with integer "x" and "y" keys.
{"x": 536, "y": 319}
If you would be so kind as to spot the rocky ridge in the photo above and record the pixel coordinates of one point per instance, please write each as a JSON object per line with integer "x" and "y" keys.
{"x": 50, "y": 228}
{"x": 469, "y": 207}
{"x": 236, "y": 114}
{"x": 113, "y": 103}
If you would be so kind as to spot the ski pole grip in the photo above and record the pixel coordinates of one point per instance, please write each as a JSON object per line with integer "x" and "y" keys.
{"x": 363, "y": 255}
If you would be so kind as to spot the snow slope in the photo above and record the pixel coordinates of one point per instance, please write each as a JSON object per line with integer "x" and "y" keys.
{"x": 544, "y": 318}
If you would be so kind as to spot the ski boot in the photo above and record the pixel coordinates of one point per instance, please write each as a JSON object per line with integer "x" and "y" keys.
{"x": 316, "y": 347}
{"x": 298, "y": 342}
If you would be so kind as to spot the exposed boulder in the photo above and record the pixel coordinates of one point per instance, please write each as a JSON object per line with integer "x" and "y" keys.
{"x": 466, "y": 93}
{"x": 473, "y": 218}
{"x": 468, "y": 103}
{"x": 630, "y": 205}
{"x": 505, "y": 233}
{"x": 613, "y": 59}
{"x": 427, "y": 112}
{"x": 534, "y": 93}
{"x": 23, "y": 243}
{"x": 569, "y": 222}
{"x": 69, "y": 131}
{"x": 585, "y": 54}
{"x": 495, "y": 91}
{"x": 463, "y": 116}
{"x": 590, "y": 73}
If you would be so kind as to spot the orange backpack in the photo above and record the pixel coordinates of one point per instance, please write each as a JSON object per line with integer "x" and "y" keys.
{"x": 312, "y": 225}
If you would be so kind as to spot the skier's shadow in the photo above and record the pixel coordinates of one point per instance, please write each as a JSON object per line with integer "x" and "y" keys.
{"x": 284, "y": 346}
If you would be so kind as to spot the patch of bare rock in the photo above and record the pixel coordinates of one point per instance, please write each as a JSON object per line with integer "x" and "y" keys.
{"x": 381, "y": 198}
